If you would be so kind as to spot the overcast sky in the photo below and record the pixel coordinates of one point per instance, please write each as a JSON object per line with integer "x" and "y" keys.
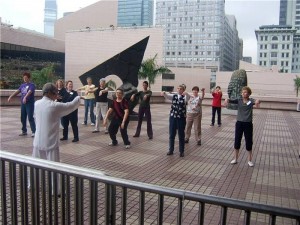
{"x": 250, "y": 14}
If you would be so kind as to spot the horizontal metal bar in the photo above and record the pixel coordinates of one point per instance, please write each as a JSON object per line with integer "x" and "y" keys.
{"x": 96, "y": 175}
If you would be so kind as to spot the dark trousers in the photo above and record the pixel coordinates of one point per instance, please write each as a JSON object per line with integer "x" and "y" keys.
{"x": 144, "y": 111}
{"x": 245, "y": 128}
{"x": 66, "y": 120}
{"x": 174, "y": 125}
{"x": 113, "y": 130}
{"x": 214, "y": 110}
{"x": 27, "y": 110}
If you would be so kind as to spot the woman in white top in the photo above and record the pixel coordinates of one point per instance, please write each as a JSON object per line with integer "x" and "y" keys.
{"x": 194, "y": 114}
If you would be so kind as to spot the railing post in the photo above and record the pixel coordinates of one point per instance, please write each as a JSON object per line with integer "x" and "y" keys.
{"x": 78, "y": 201}
{"x": 93, "y": 202}
{"x": 223, "y": 217}
{"x": 23, "y": 194}
{"x": 3, "y": 192}
{"x": 180, "y": 211}
{"x": 142, "y": 208}
{"x": 201, "y": 213}
{"x": 107, "y": 204}
{"x": 13, "y": 193}
{"x": 124, "y": 205}
{"x": 272, "y": 220}
{"x": 160, "y": 209}
{"x": 247, "y": 217}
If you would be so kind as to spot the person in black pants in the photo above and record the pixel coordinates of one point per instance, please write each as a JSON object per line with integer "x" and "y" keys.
{"x": 73, "y": 116}
{"x": 144, "y": 109}
{"x": 120, "y": 119}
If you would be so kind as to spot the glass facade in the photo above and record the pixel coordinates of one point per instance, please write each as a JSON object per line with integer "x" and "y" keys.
{"x": 289, "y": 13}
{"x": 135, "y": 13}
{"x": 198, "y": 34}
{"x": 50, "y": 17}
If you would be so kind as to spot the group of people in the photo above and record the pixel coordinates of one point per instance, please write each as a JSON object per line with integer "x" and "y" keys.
{"x": 60, "y": 105}
{"x": 186, "y": 110}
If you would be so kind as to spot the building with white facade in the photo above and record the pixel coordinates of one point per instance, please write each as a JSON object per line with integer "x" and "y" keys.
{"x": 198, "y": 34}
{"x": 278, "y": 45}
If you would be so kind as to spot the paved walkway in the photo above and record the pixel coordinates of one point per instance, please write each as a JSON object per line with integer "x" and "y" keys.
{"x": 274, "y": 179}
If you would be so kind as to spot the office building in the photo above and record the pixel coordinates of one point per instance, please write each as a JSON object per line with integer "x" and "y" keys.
{"x": 278, "y": 45}
{"x": 135, "y": 13}
{"x": 50, "y": 17}
{"x": 289, "y": 13}
{"x": 198, "y": 34}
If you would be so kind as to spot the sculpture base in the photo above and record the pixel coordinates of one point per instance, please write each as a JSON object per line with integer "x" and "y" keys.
{"x": 226, "y": 111}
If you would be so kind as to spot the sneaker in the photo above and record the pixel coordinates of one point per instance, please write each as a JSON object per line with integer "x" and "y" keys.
{"x": 95, "y": 131}
{"x": 199, "y": 142}
{"x": 83, "y": 123}
{"x": 92, "y": 124}
{"x": 211, "y": 124}
{"x": 112, "y": 144}
{"x": 250, "y": 163}
{"x": 32, "y": 135}
{"x": 186, "y": 141}
{"x": 219, "y": 125}
{"x": 233, "y": 161}
{"x": 23, "y": 134}
{"x": 127, "y": 146}
{"x": 106, "y": 132}
{"x": 75, "y": 140}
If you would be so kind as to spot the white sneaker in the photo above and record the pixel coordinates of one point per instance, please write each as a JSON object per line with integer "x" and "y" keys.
{"x": 92, "y": 124}
{"x": 32, "y": 135}
{"x": 127, "y": 146}
{"x": 251, "y": 164}
{"x": 83, "y": 123}
{"x": 233, "y": 161}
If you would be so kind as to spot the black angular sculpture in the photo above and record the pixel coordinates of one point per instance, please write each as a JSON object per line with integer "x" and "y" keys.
{"x": 237, "y": 82}
{"x": 125, "y": 65}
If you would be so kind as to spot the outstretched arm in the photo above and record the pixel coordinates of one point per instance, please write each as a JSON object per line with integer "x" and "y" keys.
{"x": 13, "y": 95}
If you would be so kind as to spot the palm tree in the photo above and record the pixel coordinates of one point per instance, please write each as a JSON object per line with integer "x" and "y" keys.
{"x": 149, "y": 70}
{"x": 297, "y": 85}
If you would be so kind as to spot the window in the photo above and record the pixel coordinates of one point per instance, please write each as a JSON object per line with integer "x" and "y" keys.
{"x": 273, "y": 54}
{"x": 283, "y": 46}
{"x": 287, "y": 63}
{"x": 287, "y": 46}
{"x": 273, "y": 63}
{"x": 266, "y": 38}
{"x": 261, "y": 38}
{"x": 274, "y": 46}
{"x": 260, "y": 63}
{"x": 260, "y": 54}
{"x": 283, "y": 37}
{"x": 266, "y": 46}
{"x": 265, "y": 55}
{"x": 261, "y": 46}
{"x": 274, "y": 38}
{"x": 282, "y": 55}
{"x": 287, "y": 55}
{"x": 265, "y": 63}
{"x": 288, "y": 37}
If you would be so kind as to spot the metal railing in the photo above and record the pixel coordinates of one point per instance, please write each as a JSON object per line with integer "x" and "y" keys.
{"x": 57, "y": 193}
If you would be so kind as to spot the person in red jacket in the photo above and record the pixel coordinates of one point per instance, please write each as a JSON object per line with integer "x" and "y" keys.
{"x": 216, "y": 105}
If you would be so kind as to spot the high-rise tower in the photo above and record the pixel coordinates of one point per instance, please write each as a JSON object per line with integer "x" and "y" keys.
{"x": 135, "y": 13}
{"x": 198, "y": 34}
{"x": 289, "y": 13}
{"x": 50, "y": 17}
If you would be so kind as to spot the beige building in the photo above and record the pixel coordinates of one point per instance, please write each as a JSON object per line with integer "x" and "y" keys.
{"x": 101, "y": 14}
{"x": 262, "y": 81}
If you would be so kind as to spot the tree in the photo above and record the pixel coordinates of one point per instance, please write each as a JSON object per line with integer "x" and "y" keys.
{"x": 297, "y": 85}
{"x": 149, "y": 70}
{"x": 43, "y": 76}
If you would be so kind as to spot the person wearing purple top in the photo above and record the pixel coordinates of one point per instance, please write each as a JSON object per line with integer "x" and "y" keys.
{"x": 27, "y": 90}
